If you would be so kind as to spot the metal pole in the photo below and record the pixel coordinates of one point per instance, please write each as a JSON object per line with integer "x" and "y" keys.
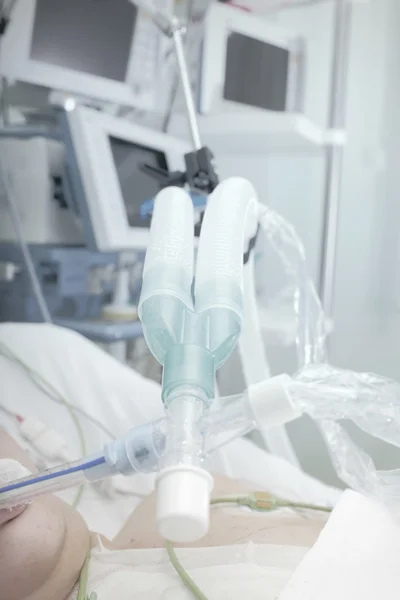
{"x": 337, "y": 108}
{"x": 171, "y": 27}
{"x": 176, "y": 82}
{"x": 177, "y": 35}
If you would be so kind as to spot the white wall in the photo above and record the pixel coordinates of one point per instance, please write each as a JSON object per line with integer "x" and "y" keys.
{"x": 367, "y": 292}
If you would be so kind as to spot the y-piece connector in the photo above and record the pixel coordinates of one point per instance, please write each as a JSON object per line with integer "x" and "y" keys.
{"x": 192, "y": 333}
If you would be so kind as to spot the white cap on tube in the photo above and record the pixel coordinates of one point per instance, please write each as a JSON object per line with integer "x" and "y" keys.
{"x": 183, "y": 503}
{"x": 271, "y": 403}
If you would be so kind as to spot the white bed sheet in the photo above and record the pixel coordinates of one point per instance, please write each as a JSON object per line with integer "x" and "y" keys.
{"x": 357, "y": 556}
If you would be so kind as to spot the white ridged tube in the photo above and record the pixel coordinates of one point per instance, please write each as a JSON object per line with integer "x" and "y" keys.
{"x": 219, "y": 276}
{"x": 168, "y": 268}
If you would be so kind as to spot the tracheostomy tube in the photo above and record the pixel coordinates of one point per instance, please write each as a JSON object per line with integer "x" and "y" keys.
{"x": 192, "y": 336}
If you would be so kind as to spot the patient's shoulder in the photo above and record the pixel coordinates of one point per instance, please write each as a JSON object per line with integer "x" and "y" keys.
{"x": 42, "y": 551}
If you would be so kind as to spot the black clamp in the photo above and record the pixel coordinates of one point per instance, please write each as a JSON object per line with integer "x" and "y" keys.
{"x": 199, "y": 175}
{"x": 3, "y": 25}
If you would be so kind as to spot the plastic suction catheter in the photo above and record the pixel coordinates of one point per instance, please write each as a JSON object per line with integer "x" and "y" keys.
{"x": 265, "y": 405}
{"x": 192, "y": 334}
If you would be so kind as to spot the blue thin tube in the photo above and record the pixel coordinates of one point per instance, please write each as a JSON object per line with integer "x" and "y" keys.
{"x": 48, "y": 476}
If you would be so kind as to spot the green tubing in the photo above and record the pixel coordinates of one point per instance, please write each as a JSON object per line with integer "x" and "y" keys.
{"x": 260, "y": 501}
{"x": 185, "y": 577}
{"x": 188, "y": 365}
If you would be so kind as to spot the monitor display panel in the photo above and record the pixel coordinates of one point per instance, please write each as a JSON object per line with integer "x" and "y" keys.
{"x": 91, "y": 49}
{"x": 75, "y": 34}
{"x": 136, "y": 185}
{"x": 256, "y": 73}
{"x": 249, "y": 63}
{"x": 112, "y": 193}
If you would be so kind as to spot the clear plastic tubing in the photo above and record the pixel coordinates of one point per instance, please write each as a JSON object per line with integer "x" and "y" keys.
{"x": 265, "y": 405}
{"x": 138, "y": 452}
{"x": 311, "y": 320}
{"x": 192, "y": 335}
{"x": 54, "y": 480}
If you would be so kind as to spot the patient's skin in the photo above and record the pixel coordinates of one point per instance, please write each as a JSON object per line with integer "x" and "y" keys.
{"x": 229, "y": 524}
{"x": 43, "y": 548}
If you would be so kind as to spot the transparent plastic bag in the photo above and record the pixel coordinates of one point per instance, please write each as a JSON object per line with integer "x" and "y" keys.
{"x": 331, "y": 395}
{"x": 299, "y": 291}
{"x": 328, "y": 394}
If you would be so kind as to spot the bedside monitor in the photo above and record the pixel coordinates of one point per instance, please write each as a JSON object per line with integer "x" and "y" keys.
{"x": 91, "y": 48}
{"x": 248, "y": 62}
{"x": 104, "y": 159}
{"x": 136, "y": 185}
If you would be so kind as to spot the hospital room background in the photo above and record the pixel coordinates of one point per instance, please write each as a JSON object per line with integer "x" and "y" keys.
{"x": 285, "y": 153}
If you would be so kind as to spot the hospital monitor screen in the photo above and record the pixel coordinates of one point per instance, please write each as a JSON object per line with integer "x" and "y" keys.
{"x": 135, "y": 184}
{"x": 256, "y": 73}
{"x": 112, "y": 192}
{"x": 248, "y": 62}
{"x": 94, "y": 49}
{"x": 78, "y": 35}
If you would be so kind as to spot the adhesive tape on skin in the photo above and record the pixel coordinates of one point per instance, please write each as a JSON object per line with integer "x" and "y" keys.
{"x": 10, "y": 470}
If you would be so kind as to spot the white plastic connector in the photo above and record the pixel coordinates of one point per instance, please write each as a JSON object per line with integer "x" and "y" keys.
{"x": 271, "y": 402}
{"x": 183, "y": 503}
{"x": 46, "y": 441}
